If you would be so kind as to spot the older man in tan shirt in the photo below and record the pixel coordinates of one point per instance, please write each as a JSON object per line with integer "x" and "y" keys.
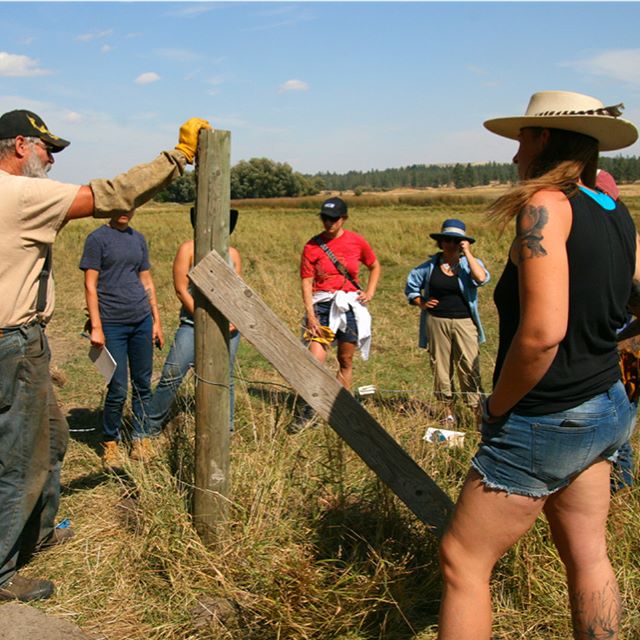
{"x": 33, "y": 432}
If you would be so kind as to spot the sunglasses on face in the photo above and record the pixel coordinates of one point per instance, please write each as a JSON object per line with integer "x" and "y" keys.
{"x": 454, "y": 240}
{"x": 326, "y": 218}
{"x": 43, "y": 145}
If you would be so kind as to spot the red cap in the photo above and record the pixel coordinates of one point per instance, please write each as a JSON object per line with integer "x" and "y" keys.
{"x": 606, "y": 184}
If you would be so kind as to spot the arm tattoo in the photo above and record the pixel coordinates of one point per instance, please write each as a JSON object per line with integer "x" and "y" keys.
{"x": 531, "y": 222}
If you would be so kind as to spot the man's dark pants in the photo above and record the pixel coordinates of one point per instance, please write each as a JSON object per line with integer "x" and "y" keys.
{"x": 33, "y": 436}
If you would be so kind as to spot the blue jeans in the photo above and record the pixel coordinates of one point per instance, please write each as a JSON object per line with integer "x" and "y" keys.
{"x": 538, "y": 455}
{"x": 180, "y": 359}
{"x": 323, "y": 310}
{"x": 131, "y": 346}
{"x": 31, "y": 448}
{"x": 622, "y": 470}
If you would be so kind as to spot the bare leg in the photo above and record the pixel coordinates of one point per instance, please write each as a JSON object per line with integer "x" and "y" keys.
{"x": 486, "y": 523}
{"x": 318, "y": 351}
{"x": 577, "y": 516}
{"x": 345, "y": 361}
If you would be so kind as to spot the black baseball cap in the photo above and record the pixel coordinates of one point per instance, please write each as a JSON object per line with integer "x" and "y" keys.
{"x": 21, "y": 122}
{"x": 233, "y": 218}
{"x": 334, "y": 208}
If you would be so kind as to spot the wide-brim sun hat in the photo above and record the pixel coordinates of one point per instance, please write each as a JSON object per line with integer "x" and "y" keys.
{"x": 453, "y": 228}
{"x": 233, "y": 218}
{"x": 571, "y": 112}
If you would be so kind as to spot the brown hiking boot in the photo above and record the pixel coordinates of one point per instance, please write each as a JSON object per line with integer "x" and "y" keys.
{"x": 111, "y": 457}
{"x": 25, "y": 589}
{"x": 141, "y": 450}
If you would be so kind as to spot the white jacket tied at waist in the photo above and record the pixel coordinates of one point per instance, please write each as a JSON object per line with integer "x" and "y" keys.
{"x": 340, "y": 303}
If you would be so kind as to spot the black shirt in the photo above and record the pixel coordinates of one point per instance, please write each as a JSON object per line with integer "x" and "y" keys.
{"x": 446, "y": 290}
{"x": 601, "y": 249}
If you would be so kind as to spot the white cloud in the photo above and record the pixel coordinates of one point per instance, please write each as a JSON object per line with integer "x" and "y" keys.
{"x": 105, "y": 48}
{"x": 147, "y": 78}
{"x": 477, "y": 71}
{"x": 622, "y": 65}
{"x": 193, "y": 10}
{"x": 291, "y": 15}
{"x": 96, "y": 35}
{"x": 17, "y": 66}
{"x": 73, "y": 117}
{"x": 293, "y": 85}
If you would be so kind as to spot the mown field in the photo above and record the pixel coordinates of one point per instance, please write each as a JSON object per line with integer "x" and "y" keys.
{"x": 315, "y": 546}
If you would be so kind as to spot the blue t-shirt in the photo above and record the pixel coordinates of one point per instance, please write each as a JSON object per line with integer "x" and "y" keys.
{"x": 119, "y": 257}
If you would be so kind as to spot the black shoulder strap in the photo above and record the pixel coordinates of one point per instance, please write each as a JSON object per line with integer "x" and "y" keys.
{"x": 338, "y": 265}
{"x": 43, "y": 280}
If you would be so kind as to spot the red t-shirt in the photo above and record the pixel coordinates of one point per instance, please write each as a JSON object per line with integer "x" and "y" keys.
{"x": 350, "y": 249}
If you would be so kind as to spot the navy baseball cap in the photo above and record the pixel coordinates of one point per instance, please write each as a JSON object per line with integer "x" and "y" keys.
{"x": 334, "y": 208}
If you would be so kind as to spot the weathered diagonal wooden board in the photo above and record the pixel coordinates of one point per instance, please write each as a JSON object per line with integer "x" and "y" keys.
{"x": 265, "y": 331}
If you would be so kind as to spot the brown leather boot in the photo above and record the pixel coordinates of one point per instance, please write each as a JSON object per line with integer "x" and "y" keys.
{"x": 141, "y": 450}
{"x": 111, "y": 457}
{"x": 25, "y": 589}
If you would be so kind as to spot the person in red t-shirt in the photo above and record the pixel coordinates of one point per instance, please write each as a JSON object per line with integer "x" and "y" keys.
{"x": 332, "y": 295}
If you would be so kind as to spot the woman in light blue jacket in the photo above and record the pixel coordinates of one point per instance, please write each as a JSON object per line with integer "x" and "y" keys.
{"x": 445, "y": 287}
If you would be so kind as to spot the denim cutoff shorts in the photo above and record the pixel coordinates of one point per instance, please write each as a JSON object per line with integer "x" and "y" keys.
{"x": 322, "y": 310}
{"x": 538, "y": 455}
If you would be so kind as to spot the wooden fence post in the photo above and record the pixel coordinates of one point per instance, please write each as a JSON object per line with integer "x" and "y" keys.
{"x": 265, "y": 331}
{"x": 210, "y": 498}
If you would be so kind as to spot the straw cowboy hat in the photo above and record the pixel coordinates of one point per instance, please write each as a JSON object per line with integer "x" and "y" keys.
{"x": 571, "y": 112}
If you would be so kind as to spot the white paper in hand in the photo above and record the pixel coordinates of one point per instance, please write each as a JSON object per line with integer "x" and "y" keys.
{"x": 104, "y": 362}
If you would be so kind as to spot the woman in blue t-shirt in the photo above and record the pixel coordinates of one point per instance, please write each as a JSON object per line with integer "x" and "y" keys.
{"x": 123, "y": 311}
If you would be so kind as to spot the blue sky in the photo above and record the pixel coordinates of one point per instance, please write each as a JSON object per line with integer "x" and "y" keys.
{"x": 326, "y": 86}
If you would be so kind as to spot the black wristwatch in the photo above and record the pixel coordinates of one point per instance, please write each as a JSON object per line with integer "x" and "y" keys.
{"x": 486, "y": 414}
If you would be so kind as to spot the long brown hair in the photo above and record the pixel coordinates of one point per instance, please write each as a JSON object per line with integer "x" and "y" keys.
{"x": 567, "y": 158}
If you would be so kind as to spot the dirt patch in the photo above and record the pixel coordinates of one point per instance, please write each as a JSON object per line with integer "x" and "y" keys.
{"x": 20, "y": 621}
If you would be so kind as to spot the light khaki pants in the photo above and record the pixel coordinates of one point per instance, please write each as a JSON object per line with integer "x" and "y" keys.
{"x": 453, "y": 346}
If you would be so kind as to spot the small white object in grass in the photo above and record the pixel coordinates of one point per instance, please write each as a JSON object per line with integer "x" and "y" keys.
{"x": 444, "y": 436}
{"x": 367, "y": 390}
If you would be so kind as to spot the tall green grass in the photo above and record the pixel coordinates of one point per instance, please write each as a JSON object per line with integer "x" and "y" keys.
{"x": 315, "y": 545}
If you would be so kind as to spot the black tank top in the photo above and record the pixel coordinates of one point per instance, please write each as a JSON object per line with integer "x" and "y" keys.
{"x": 446, "y": 290}
{"x": 601, "y": 249}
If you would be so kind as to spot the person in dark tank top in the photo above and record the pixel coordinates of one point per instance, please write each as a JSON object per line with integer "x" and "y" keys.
{"x": 558, "y": 411}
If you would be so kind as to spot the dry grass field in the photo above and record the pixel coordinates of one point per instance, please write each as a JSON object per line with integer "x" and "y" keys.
{"x": 315, "y": 546}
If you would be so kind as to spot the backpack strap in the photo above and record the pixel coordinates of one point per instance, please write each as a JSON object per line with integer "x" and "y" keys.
{"x": 43, "y": 280}
{"x": 338, "y": 265}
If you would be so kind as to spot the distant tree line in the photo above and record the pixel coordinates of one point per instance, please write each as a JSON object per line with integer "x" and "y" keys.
{"x": 623, "y": 169}
{"x": 419, "y": 176}
{"x": 255, "y": 178}
{"x": 264, "y": 178}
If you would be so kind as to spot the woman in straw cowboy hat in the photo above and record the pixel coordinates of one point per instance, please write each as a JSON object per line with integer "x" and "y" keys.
{"x": 445, "y": 287}
{"x": 558, "y": 411}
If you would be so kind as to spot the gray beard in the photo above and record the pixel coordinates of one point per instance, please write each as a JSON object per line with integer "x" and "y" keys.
{"x": 35, "y": 168}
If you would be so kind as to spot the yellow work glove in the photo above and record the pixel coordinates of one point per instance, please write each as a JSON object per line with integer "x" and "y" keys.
{"x": 326, "y": 336}
{"x": 188, "y": 143}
